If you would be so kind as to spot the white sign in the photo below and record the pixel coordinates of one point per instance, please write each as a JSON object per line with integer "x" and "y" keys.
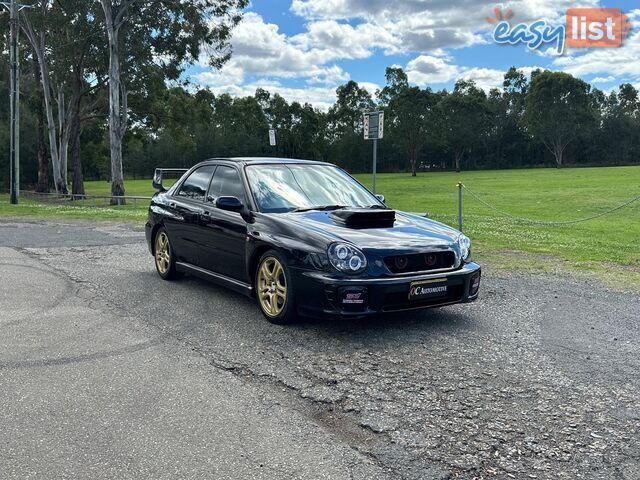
{"x": 373, "y": 124}
{"x": 272, "y": 138}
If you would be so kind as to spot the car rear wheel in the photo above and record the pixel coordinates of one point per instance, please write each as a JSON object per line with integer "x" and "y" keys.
{"x": 164, "y": 257}
{"x": 274, "y": 290}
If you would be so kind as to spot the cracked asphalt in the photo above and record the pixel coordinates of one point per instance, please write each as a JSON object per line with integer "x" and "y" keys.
{"x": 106, "y": 371}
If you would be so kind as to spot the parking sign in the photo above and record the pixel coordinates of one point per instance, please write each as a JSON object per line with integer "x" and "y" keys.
{"x": 373, "y": 125}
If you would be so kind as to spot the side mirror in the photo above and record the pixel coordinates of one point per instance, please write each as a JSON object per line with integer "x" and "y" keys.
{"x": 232, "y": 204}
{"x": 380, "y": 197}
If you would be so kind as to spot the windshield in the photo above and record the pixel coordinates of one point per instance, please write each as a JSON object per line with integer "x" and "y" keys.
{"x": 284, "y": 188}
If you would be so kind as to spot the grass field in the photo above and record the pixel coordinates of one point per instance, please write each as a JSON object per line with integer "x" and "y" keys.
{"x": 609, "y": 246}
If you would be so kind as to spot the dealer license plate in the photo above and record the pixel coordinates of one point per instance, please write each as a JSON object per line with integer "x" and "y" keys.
{"x": 423, "y": 289}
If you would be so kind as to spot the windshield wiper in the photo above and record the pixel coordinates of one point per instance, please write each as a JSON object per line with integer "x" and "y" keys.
{"x": 323, "y": 208}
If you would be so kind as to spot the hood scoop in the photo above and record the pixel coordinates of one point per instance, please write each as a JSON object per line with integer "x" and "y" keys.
{"x": 364, "y": 218}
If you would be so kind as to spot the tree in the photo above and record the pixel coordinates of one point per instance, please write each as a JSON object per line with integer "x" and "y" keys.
{"x": 42, "y": 185}
{"x": 411, "y": 114}
{"x": 508, "y": 144}
{"x": 344, "y": 127}
{"x": 174, "y": 30}
{"x": 557, "y": 107}
{"x": 67, "y": 52}
{"x": 35, "y": 31}
{"x": 465, "y": 114}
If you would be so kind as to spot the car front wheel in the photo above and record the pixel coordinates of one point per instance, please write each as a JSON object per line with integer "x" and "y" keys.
{"x": 164, "y": 257}
{"x": 274, "y": 290}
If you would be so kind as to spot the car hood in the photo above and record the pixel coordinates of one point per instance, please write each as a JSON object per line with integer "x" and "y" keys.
{"x": 409, "y": 232}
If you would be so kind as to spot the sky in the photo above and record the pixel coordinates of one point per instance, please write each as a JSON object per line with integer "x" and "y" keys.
{"x": 305, "y": 49}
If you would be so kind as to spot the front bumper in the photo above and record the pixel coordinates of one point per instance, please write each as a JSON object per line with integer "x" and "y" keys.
{"x": 325, "y": 294}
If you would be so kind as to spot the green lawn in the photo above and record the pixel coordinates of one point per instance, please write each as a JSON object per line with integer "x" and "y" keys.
{"x": 608, "y": 247}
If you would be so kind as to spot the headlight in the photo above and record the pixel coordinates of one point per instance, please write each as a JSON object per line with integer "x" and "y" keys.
{"x": 346, "y": 258}
{"x": 465, "y": 247}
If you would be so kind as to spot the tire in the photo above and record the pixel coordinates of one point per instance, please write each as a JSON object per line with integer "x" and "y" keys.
{"x": 163, "y": 255}
{"x": 274, "y": 290}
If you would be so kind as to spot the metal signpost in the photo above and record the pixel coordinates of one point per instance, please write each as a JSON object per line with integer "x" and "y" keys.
{"x": 374, "y": 130}
{"x": 272, "y": 138}
{"x": 14, "y": 100}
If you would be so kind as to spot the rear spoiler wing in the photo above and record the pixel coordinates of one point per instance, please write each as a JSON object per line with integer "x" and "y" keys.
{"x": 161, "y": 173}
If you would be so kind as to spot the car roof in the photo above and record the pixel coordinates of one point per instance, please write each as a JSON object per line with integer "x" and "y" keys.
{"x": 265, "y": 161}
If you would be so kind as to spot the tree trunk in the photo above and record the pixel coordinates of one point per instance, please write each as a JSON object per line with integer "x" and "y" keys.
{"x": 117, "y": 118}
{"x": 77, "y": 187}
{"x": 63, "y": 149}
{"x": 558, "y": 153}
{"x": 458, "y": 160}
{"x": 413, "y": 159}
{"x": 37, "y": 43}
{"x": 557, "y": 149}
{"x": 42, "y": 186}
{"x": 78, "y": 179}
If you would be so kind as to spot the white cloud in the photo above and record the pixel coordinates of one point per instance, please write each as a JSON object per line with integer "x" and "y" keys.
{"x": 608, "y": 79}
{"x": 344, "y": 41}
{"x": 425, "y": 25}
{"x": 260, "y": 49}
{"x": 338, "y": 30}
{"x": 370, "y": 87}
{"x": 425, "y": 70}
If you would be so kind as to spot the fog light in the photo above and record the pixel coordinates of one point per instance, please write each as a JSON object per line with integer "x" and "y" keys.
{"x": 474, "y": 285}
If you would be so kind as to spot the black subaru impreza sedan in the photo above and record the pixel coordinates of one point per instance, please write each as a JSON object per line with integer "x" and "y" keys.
{"x": 304, "y": 238}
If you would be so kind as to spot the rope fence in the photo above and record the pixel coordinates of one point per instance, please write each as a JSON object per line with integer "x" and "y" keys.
{"x": 97, "y": 201}
{"x": 479, "y": 199}
{"x": 103, "y": 201}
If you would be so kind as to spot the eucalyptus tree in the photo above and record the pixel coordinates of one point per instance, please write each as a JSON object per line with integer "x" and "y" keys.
{"x": 508, "y": 142}
{"x": 620, "y": 114}
{"x": 78, "y": 64}
{"x": 411, "y": 116}
{"x": 167, "y": 33}
{"x": 35, "y": 24}
{"x": 67, "y": 50}
{"x": 344, "y": 127}
{"x": 557, "y": 108}
{"x": 464, "y": 114}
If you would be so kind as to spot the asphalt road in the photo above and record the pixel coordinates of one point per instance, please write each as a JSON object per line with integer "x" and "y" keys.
{"x": 106, "y": 371}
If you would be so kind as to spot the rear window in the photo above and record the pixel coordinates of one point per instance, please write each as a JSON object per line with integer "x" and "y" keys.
{"x": 196, "y": 185}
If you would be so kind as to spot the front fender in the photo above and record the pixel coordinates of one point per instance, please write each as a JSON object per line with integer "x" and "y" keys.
{"x": 299, "y": 254}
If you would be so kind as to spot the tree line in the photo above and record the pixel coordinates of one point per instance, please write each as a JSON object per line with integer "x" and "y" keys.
{"x": 90, "y": 65}
{"x": 102, "y": 84}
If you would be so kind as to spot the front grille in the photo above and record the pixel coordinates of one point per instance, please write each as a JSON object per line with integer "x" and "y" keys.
{"x": 420, "y": 262}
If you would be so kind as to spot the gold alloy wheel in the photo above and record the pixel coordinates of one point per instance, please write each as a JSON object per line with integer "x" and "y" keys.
{"x": 272, "y": 287}
{"x": 163, "y": 255}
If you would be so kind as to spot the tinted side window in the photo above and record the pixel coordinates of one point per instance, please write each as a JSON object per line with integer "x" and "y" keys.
{"x": 195, "y": 186}
{"x": 226, "y": 183}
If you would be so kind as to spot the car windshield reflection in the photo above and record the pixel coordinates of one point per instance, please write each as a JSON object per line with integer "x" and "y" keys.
{"x": 298, "y": 188}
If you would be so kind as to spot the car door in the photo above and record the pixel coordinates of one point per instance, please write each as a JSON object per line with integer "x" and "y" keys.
{"x": 187, "y": 205}
{"x": 226, "y": 232}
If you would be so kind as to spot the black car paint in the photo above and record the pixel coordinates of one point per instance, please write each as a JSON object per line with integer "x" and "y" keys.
{"x": 225, "y": 246}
